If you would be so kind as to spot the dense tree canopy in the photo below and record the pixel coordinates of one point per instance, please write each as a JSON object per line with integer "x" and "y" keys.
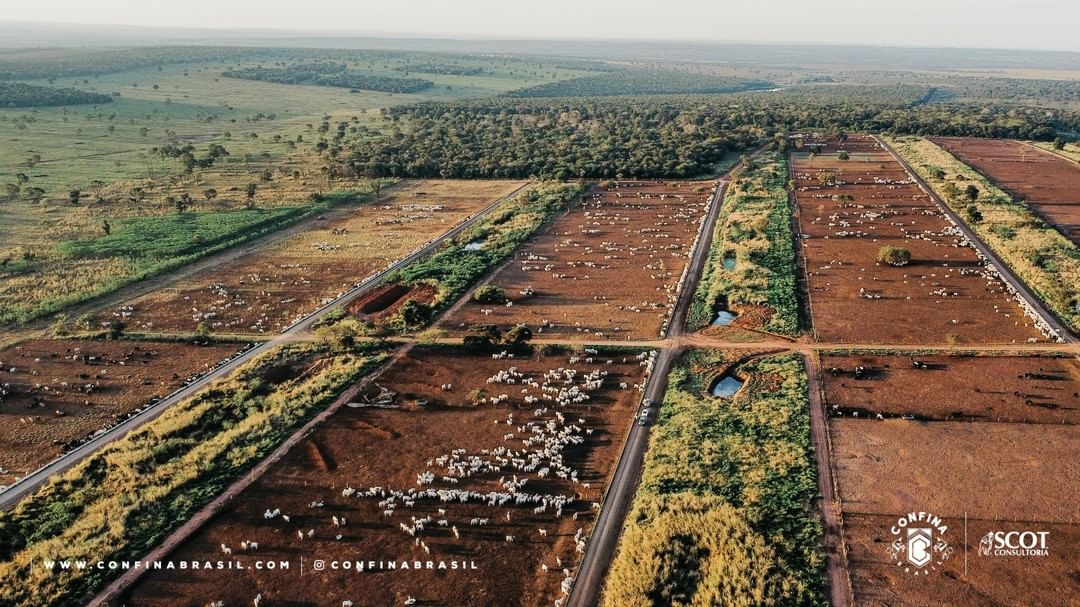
{"x": 18, "y": 94}
{"x": 659, "y": 136}
{"x": 642, "y": 82}
{"x": 328, "y": 73}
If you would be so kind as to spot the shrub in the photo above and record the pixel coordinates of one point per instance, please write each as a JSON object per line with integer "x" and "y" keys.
{"x": 518, "y": 335}
{"x": 481, "y": 337}
{"x": 753, "y": 226}
{"x": 414, "y": 313}
{"x": 489, "y": 294}
{"x": 894, "y": 256}
{"x": 972, "y": 214}
{"x": 731, "y": 521}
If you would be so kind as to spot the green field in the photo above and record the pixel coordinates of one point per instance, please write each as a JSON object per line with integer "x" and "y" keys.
{"x": 752, "y": 258}
{"x": 37, "y": 281}
{"x": 283, "y": 140}
{"x": 724, "y": 513}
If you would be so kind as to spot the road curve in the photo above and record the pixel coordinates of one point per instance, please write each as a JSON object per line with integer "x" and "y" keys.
{"x": 615, "y": 505}
{"x": 14, "y": 493}
{"x": 1004, "y": 270}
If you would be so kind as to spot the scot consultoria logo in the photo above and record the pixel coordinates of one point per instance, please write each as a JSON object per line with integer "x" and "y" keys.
{"x": 1014, "y": 543}
{"x": 919, "y": 543}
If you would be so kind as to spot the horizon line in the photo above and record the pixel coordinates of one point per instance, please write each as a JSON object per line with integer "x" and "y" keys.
{"x": 285, "y": 33}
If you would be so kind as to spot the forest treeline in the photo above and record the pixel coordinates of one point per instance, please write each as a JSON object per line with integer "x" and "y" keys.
{"x": 642, "y": 82}
{"x": 96, "y": 62}
{"x": 656, "y": 136}
{"x": 330, "y": 74}
{"x": 18, "y": 94}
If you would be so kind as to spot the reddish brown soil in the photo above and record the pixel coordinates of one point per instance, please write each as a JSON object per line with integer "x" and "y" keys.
{"x": 1048, "y": 182}
{"x": 943, "y": 295}
{"x": 265, "y": 291}
{"x": 1003, "y": 476}
{"x": 1002, "y": 389}
{"x": 991, "y": 581}
{"x": 365, "y": 447}
{"x": 388, "y": 299}
{"x": 49, "y": 404}
{"x": 607, "y": 269}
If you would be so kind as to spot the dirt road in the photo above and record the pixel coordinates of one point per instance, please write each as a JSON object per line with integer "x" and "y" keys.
{"x": 836, "y": 572}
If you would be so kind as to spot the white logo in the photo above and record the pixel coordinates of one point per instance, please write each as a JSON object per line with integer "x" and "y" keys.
{"x": 1014, "y": 543}
{"x": 919, "y": 544}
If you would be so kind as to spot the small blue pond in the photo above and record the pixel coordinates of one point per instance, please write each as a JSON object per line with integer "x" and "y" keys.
{"x": 726, "y": 386}
{"x": 724, "y": 318}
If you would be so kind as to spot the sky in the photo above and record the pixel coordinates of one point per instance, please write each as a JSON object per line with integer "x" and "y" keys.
{"x": 1028, "y": 24}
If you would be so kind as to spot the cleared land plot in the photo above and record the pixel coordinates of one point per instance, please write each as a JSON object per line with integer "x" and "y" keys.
{"x": 1004, "y": 476}
{"x": 59, "y": 391}
{"x": 608, "y": 269}
{"x": 999, "y": 389}
{"x": 1048, "y": 182}
{"x": 265, "y": 291}
{"x": 431, "y": 427}
{"x": 849, "y": 210}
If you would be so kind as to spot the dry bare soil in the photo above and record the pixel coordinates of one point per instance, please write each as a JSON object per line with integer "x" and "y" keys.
{"x": 848, "y": 211}
{"x": 992, "y": 439}
{"x": 1048, "y": 182}
{"x": 62, "y": 390}
{"x": 500, "y": 452}
{"x": 608, "y": 269}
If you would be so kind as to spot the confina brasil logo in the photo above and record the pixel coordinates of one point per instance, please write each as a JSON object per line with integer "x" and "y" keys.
{"x": 919, "y": 543}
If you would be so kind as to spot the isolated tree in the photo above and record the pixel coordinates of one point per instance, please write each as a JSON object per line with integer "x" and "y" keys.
{"x": 489, "y": 294}
{"x": 182, "y": 203}
{"x": 106, "y": 227}
{"x": 481, "y": 337}
{"x": 937, "y": 173}
{"x": 22, "y": 178}
{"x": 74, "y": 196}
{"x": 250, "y": 191}
{"x": 413, "y": 313}
{"x": 844, "y": 156}
{"x": 971, "y": 192}
{"x": 12, "y": 191}
{"x": 1059, "y": 143}
{"x": 518, "y": 335}
{"x": 59, "y": 327}
{"x": 115, "y": 328}
{"x": 894, "y": 256}
{"x": 210, "y": 194}
{"x": 34, "y": 194}
{"x": 972, "y": 214}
